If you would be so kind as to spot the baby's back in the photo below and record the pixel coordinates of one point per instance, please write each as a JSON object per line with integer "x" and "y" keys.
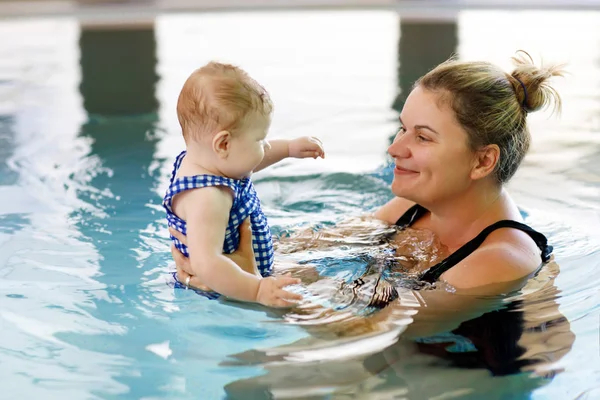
{"x": 245, "y": 204}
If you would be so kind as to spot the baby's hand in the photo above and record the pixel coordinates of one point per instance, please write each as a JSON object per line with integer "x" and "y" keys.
{"x": 305, "y": 147}
{"x": 271, "y": 294}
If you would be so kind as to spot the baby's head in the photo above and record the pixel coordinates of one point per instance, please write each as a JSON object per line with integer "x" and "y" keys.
{"x": 221, "y": 107}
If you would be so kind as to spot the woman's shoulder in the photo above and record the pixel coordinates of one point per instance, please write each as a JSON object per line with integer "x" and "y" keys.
{"x": 393, "y": 210}
{"x": 506, "y": 255}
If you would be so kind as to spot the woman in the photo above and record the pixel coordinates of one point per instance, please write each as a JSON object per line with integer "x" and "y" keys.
{"x": 463, "y": 135}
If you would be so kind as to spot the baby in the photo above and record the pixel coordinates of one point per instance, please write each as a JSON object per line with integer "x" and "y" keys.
{"x": 225, "y": 115}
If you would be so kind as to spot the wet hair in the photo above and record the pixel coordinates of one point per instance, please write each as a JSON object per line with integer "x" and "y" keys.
{"x": 492, "y": 105}
{"x": 220, "y": 97}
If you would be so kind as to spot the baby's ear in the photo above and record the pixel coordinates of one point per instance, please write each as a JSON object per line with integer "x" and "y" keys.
{"x": 221, "y": 143}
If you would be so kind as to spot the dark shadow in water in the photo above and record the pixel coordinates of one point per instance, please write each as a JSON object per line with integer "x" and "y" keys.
{"x": 8, "y": 176}
{"x": 422, "y": 46}
{"x": 118, "y": 69}
{"x": 119, "y": 74}
{"x": 10, "y": 221}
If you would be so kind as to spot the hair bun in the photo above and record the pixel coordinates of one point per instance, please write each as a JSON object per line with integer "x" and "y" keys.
{"x": 531, "y": 83}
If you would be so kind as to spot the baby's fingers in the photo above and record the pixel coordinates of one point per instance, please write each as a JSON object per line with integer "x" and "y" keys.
{"x": 315, "y": 140}
{"x": 281, "y": 303}
{"x": 317, "y": 152}
{"x": 285, "y": 295}
{"x": 284, "y": 281}
{"x": 287, "y": 280}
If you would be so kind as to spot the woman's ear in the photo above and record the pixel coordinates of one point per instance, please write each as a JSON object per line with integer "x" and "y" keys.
{"x": 485, "y": 161}
{"x": 221, "y": 144}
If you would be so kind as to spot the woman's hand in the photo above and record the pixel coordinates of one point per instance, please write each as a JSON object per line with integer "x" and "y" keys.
{"x": 184, "y": 267}
{"x": 243, "y": 256}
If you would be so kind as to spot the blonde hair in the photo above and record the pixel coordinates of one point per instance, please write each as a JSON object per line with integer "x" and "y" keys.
{"x": 492, "y": 105}
{"x": 220, "y": 97}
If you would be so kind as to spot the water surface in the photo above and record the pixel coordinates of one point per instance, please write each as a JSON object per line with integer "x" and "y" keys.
{"x": 88, "y": 133}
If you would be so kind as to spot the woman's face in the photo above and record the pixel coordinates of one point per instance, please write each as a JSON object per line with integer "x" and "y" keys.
{"x": 432, "y": 157}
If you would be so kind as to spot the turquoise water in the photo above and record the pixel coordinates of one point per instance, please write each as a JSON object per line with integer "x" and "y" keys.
{"x": 88, "y": 133}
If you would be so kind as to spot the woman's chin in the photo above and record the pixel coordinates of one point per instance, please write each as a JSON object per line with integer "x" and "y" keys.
{"x": 403, "y": 191}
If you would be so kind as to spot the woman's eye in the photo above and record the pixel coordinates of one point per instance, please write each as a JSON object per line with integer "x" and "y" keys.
{"x": 423, "y": 138}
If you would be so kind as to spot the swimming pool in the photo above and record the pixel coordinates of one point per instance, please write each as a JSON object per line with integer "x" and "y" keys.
{"x": 86, "y": 308}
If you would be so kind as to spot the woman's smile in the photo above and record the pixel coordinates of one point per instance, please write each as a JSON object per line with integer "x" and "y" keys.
{"x": 398, "y": 170}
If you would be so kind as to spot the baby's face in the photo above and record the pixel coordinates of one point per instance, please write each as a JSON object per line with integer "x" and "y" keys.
{"x": 248, "y": 147}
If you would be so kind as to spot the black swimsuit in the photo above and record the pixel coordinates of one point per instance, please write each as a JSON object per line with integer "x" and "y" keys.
{"x": 433, "y": 273}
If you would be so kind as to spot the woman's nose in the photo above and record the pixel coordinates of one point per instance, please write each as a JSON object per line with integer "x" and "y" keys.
{"x": 399, "y": 147}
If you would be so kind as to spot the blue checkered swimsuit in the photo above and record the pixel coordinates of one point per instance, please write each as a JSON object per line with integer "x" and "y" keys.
{"x": 245, "y": 203}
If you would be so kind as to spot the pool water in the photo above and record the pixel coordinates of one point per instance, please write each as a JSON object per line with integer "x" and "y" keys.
{"x": 88, "y": 134}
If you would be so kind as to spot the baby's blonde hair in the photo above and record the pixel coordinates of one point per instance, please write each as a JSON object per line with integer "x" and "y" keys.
{"x": 220, "y": 97}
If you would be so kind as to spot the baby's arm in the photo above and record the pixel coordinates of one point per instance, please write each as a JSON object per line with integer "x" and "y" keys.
{"x": 206, "y": 212}
{"x": 302, "y": 147}
{"x": 279, "y": 150}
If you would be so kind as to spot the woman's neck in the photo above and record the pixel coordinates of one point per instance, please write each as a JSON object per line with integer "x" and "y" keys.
{"x": 459, "y": 219}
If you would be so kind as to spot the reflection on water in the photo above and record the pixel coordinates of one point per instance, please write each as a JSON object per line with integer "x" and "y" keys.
{"x": 47, "y": 268}
{"x": 422, "y": 337}
{"x": 118, "y": 83}
{"x": 83, "y": 248}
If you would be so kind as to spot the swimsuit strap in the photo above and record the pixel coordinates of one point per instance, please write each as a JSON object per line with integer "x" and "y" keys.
{"x": 183, "y": 183}
{"x": 417, "y": 211}
{"x": 176, "y": 165}
{"x": 433, "y": 273}
{"x": 411, "y": 216}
